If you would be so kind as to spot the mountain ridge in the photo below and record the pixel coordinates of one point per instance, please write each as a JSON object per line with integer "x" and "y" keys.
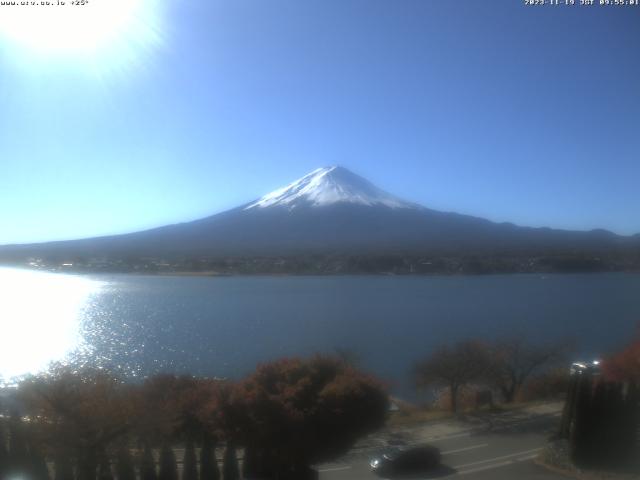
{"x": 331, "y": 210}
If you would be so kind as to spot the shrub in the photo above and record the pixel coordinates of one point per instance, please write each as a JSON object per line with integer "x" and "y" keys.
{"x": 551, "y": 385}
{"x": 466, "y": 397}
{"x": 625, "y": 365}
{"x": 309, "y": 411}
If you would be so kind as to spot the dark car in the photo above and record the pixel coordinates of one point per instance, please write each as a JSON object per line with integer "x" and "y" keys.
{"x": 406, "y": 461}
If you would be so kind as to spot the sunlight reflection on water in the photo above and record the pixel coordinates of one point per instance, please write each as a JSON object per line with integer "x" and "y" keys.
{"x": 40, "y": 319}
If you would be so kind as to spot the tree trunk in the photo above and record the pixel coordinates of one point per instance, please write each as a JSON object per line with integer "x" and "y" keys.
{"x": 104, "y": 468}
{"x": 168, "y": 465}
{"x": 39, "y": 470}
{"x": 509, "y": 394}
{"x": 454, "y": 398}
{"x": 208, "y": 462}
{"x": 124, "y": 466}
{"x": 148, "y": 465}
{"x": 190, "y": 463}
{"x": 63, "y": 468}
{"x": 569, "y": 410}
{"x": 4, "y": 457}
{"x": 87, "y": 464}
{"x": 230, "y": 468}
{"x": 250, "y": 466}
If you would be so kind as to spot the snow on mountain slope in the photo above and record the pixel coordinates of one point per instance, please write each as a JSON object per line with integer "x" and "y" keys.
{"x": 327, "y": 186}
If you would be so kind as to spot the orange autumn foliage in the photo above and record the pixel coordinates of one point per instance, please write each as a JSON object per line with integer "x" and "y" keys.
{"x": 624, "y": 366}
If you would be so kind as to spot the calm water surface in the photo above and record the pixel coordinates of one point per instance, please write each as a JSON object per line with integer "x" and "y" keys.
{"x": 224, "y": 326}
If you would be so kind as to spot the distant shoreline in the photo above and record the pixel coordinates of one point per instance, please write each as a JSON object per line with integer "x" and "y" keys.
{"x": 216, "y": 274}
{"x": 338, "y": 263}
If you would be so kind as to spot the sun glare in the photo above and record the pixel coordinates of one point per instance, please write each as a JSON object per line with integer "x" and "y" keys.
{"x": 40, "y": 319}
{"x": 68, "y": 27}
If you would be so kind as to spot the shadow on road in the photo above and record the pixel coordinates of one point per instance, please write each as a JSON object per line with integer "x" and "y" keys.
{"x": 516, "y": 423}
{"x": 439, "y": 472}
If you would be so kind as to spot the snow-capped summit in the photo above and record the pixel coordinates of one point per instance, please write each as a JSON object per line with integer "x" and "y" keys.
{"x": 328, "y": 186}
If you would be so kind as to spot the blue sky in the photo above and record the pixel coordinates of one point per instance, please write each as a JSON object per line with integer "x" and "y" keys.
{"x": 514, "y": 113}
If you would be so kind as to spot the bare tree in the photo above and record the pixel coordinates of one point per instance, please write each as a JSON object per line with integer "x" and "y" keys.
{"x": 515, "y": 360}
{"x": 349, "y": 356}
{"x": 453, "y": 367}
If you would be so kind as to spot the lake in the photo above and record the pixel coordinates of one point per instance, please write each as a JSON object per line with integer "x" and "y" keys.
{"x": 224, "y": 326}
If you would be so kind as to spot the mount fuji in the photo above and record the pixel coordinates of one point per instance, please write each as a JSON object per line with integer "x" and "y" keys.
{"x": 330, "y": 211}
{"x": 328, "y": 186}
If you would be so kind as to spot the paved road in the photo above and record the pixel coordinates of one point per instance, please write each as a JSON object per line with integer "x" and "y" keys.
{"x": 503, "y": 450}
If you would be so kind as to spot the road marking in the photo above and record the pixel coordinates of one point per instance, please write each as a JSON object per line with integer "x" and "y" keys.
{"x": 486, "y": 467}
{"x": 425, "y": 439}
{"x": 498, "y": 465}
{"x": 335, "y": 469}
{"x": 498, "y": 458}
{"x": 422, "y": 441}
{"x": 504, "y": 463}
{"x": 447, "y": 437}
{"x": 465, "y": 449}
